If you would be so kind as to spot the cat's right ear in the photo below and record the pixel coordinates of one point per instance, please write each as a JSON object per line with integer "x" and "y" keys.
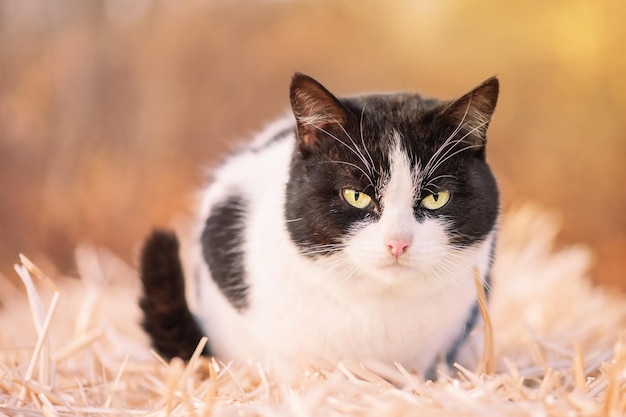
{"x": 316, "y": 110}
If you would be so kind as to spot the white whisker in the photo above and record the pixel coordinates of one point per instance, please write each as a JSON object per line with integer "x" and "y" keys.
{"x": 431, "y": 181}
{"x": 354, "y": 150}
{"x": 357, "y": 149}
{"x": 456, "y": 130}
{"x": 430, "y": 190}
{"x": 352, "y": 165}
{"x": 373, "y": 166}
{"x": 446, "y": 156}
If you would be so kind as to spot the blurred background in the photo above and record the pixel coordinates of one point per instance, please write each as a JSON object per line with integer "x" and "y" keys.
{"x": 112, "y": 110}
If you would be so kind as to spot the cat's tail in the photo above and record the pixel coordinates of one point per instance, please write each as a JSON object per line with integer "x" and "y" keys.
{"x": 166, "y": 316}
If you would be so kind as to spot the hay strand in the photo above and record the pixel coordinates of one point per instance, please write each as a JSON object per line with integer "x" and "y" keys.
{"x": 488, "y": 361}
{"x": 37, "y": 357}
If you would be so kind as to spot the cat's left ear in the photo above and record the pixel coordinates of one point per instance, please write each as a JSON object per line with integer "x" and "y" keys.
{"x": 472, "y": 112}
{"x": 315, "y": 108}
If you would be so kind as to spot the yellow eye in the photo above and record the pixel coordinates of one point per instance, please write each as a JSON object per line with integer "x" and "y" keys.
{"x": 356, "y": 198}
{"x": 436, "y": 200}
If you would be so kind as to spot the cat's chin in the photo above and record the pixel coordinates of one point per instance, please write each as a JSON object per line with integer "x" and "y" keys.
{"x": 391, "y": 274}
{"x": 397, "y": 273}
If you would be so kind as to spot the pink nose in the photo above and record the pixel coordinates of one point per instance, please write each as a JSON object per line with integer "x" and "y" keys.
{"x": 397, "y": 247}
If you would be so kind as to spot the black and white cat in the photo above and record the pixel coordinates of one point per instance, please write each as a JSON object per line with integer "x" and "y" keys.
{"x": 348, "y": 232}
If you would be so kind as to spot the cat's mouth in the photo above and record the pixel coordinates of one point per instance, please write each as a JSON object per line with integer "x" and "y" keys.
{"x": 395, "y": 272}
{"x": 397, "y": 265}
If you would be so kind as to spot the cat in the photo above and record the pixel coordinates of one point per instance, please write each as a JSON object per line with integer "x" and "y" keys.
{"x": 349, "y": 229}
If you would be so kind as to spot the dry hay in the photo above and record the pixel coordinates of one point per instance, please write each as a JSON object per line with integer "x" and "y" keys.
{"x": 559, "y": 349}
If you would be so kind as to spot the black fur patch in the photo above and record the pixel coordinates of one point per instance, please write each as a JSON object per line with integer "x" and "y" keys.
{"x": 166, "y": 316}
{"x": 222, "y": 240}
{"x": 346, "y": 143}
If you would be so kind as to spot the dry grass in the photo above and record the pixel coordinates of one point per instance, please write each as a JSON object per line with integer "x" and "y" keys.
{"x": 559, "y": 350}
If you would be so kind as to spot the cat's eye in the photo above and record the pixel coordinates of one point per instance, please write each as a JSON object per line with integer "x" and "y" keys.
{"x": 435, "y": 201}
{"x": 356, "y": 198}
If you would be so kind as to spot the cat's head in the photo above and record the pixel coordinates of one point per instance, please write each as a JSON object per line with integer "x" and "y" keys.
{"x": 390, "y": 186}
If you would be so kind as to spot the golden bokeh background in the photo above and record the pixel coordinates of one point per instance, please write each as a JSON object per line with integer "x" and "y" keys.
{"x": 110, "y": 110}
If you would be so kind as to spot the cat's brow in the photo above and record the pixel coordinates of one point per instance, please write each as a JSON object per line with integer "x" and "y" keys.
{"x": 433, "y": 159}
{"x": 447, "y": 154}
{"x": 354, "y": 150}
{"x": 369, "y": 179}
{"x": 431, "y": 181}
{"x": 358, "y": 154}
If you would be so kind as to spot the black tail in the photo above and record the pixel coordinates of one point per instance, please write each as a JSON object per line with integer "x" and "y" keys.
{"x": 166, "y": 316}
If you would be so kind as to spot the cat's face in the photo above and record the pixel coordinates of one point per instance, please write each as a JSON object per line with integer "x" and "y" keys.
{"x": 390, "y": 186}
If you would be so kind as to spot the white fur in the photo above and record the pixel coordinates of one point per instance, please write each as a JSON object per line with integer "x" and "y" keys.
{"x": 359, "y": 304}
